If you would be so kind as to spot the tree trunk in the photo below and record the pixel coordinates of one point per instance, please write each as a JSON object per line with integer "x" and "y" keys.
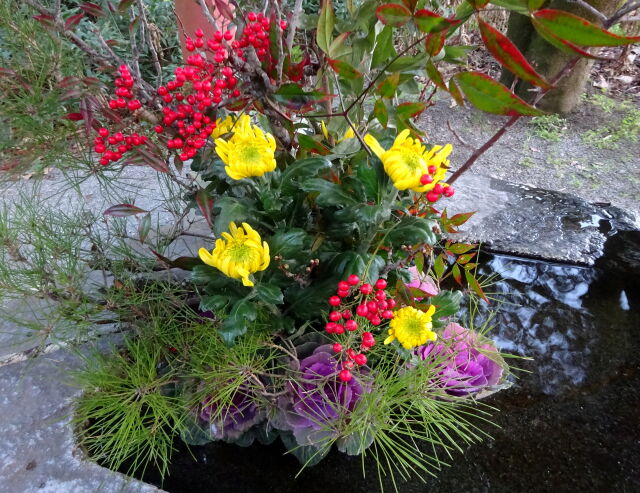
{"x": 548, "y": 60}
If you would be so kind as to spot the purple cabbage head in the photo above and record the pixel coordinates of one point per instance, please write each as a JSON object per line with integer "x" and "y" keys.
{"x": 235, "y": 419}
{"x": 470, "y": 362}
{"x": 317, "y": 397}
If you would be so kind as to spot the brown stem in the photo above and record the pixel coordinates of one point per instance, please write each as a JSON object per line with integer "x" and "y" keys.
{"x": 509, "y": 123}
{"x": 629, "y": 7}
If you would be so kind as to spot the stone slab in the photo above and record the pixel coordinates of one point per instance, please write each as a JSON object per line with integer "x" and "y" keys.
{"x": 531, "y": 222}
{"x": 38, "y": 452}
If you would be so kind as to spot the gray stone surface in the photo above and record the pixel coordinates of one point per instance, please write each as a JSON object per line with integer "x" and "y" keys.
{"x": 38, "y": 452}
{"x": 517, "y": 219}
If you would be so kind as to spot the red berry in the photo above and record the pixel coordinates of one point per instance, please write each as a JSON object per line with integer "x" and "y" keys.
{"x": 432, "y": 196}
{"x": 343, "y": 294}
{"x": 372, "y": 307}
{"x": 382, "y": 305}
{"x": 360, "y": 359}
{"x": 348, "y": 365}
{"x": 387, "y": 314}
{"x": 362, "y": 310}
{"x": 448, "y": 192}
{"x": 335, "y": 316}
{"x": 343, "y": 286}
{"x": 252, "y": 16}
{"x": 99, "y": 148}
{"x": 432, "y": 169}
{"x": 426, "y": 179}
{"x": 367, "y": 336}
{"x": 334, "y": 301}
{"x": 330, "y": 327}
{"x": 345, "y": 375}
{"x": 381, "y": 284}
{"x": 353, "y": 279}
{"x": 391, "y": 303}
{"x": 103, "y": 132}
{"x": 438, "y": 188}
{"x": 366, "y": 289}
{"x": 351, "y": 325}
{"x": 339, "y": 329}
{"x": 159, "y": 129}
{"x": 337, "y": 347}
{"x": 227, "y": 35}
{"x": 350, "y": 353}
{"x": 375, "y": 320}
{"x": 199, "y": 32}
{"x": 347, "y": 314}
{"x": 381, "y": 295}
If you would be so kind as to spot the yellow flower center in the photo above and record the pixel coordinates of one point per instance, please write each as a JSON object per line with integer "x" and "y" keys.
{"x": 411, "y": 159}
{"x": 411, "y": 327}
{"x": 249, "y": 155}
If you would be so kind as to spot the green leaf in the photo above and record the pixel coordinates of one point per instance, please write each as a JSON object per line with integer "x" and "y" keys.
{"x": 326, "y": 21}
{"x": 309, "y": 143}
{"x": 294, "y": 97}
{"x": 214, "y": 302}
{"x": 519, "y": 6}
{"x": 439, "y": 266}
{"x": 459, "y": 248}
{"x": 230, "y": 209}
{"x": 454, "y": 90}
{"x": 384, "y": 49}
{"x": 203, "y": 274}
{"x": 344, "y": 69}
{"x": 447, "y": 303}
{"x": 303, "y": 169}
{"x": 429, "y": 22}
{"x": 288, "y": 243}
{"x": 387, "y": 88}
{"x": 144, "y": 227}
{"x": 337, "y": 48}
{"x": 568, "y": 27}
{"x": 408, "y": 63}
{"x": 509, "y": 56}
{"x": 474, "y": 285}
{"x": 372, "y": 176}
{"x": 124, "y": 5}
{"x": 535, "y": 4}
{"x": 435, "y": 42}
{"x": 380, "y": 112}
{"x": 489, "y": 95}
{"x": 123, "y": 210}
{"x": 235, "y": 324}
{"x": 460, "y": 218}
{"x": 419, "y": 260}
{"x": 355, "y": 443}
{"x": 269, "y": 293}
{"x": 435, "y": 75}
{"x": 410, "y": 110}
{"x": 393, "y": 14}
{"x": 455, "y": 272}
{"x": 329, "y": 194}
{"x": 464, "y": 259}
{"x": 412, "y": 231}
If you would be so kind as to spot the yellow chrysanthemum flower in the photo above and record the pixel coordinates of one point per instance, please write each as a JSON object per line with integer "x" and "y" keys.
{"x": 249, "y": 152}
{"x": 241, "y": 255}
{"x": 411, "y": 327}
{"x": 222, "y": 127}
{"x": 408, "y": 160}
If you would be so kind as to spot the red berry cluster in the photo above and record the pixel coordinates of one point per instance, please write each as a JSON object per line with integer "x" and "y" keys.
{"x": 434, "y": 194}
{"x": 256, "y": 34}
{"x": 124, "y": 91}
{"x": 372, "y": 306}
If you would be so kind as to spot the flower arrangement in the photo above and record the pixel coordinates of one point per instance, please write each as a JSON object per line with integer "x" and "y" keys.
{"x": 323, "y": 308}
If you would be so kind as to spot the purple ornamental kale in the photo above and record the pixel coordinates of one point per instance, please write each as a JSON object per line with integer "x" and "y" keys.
{"x": 237, "y": 418}
{"x": 470, "y": 364}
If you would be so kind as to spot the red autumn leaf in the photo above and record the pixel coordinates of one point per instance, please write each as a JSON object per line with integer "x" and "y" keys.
{"x": 73, "y": 21}
{"x": 461, "y": 218}
{"x": 393, "y": 14}
{"x": 435, "y": 75}
{"x": 92, "y": 9}
{"x": 387, "y": 88}
{"x": 344, "y": 69}
{"x": 509, "y": 56}
{"x": 430, "y": 22}
{"x": 74, "y": 117}
{"x": 46, "y": 20}
{"x": 434, "y": 42}
{"x": 205, "y": 204}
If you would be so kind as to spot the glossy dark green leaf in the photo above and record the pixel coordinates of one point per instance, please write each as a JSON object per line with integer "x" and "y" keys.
{"x": 294, "y": 97}
{"x": 329, "y": 193}
{"x": 269, "y": 293}
{"x": 384, "y": 48}
{"x": 301, "y": 170}
{"x": 447, "y": 303}
{"x": 214, "y": 302}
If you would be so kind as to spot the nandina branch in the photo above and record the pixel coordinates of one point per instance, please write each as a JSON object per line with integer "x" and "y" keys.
{"x": 509, "y": 123}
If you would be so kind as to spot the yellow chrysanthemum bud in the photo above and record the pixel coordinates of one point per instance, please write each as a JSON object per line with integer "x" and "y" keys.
{"x": 222, "y": 127}
{"x": 411, "y": 327}
{"x": 242, "y": 254}
{"x": 249, "y": 152}
{"x": 407, "y": 161}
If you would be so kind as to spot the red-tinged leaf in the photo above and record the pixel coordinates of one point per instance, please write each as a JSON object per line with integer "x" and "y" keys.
{"x": 91, "y": 8}
{"x": 144, "y": 227}
{"x": 296, "y": 72}
{"x": 410, "y": 110}
{"x": 393, "y": 14}
{"x": 454, "y": 90}
{"x": 124, "y": 5}
{"x": 419, "y": 260}
{"x": 463, "y": 259}
{"x": 435, "y": 75}
{"x": 461, "y": 218}
{"x": 489, "y": 95}
{"x": 145, "y": 157}
{"x": 410, "y": 4}
{"x": 435, "y": 42}
{"x": 337, "y": 47}
{"x": 73, "y": 21}
{"x": 123, "y": 210}
{"x": 470, "y": 266}
{"x": 535, "y": 4}
{"x": 509, "y": 56}
{"x": 46, "y": 20}
{"x": 430, "y": 22}
{"x": 576, "y": 30}
{"x": 439, "y": 266}
{"x": 344, "y": 69}
{"x": 86, "y": 110}
{"x": 112, "y": 42}
{"x": 92, "y": 82}
{"x": 73, "y": 93}
{"x": 184, "y": 263}
{"x": 455, "y": 272}
{"x": 474, "y": 285}
{"x": 381, "y": 113}
{"x": 387, "y": 88}
{"x": 309, "y": 143}
{"x": 205, "y": 204}
{"x": 224, "y": 7}
{"x": 74, "y": 117}
{"x": 561, "y": 44}
{"x": 460, "y": 248}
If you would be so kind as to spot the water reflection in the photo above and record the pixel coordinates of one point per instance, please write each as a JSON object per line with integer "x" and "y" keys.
{"x": 548, "y": 316}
